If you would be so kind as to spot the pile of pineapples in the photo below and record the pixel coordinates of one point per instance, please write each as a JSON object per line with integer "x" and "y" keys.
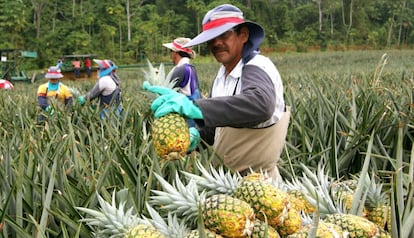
{"x": 219, "y": 203}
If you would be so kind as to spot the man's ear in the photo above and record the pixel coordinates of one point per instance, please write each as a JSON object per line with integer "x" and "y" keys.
{"x": 244, "y": 33}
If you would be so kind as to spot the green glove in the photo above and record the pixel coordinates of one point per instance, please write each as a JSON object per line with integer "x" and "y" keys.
{"x": 175, "y": 102}
{"x": 194, "y": 138}
{"x": 81, "y": 100}
{"x": 49, "y": 109}
{"x": 171, "y": 101}
{"x": 157, "y": 89}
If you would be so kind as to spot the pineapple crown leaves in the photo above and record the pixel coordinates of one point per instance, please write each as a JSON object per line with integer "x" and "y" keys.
{"x": 177, "y": 198}
{"x": 322, "y": 194}
{"x": 158, "y": 78}
{"x": 171, "y": 228}
{"x": 215, "y": 181}
{"x": 317, "y": 190}
{"x": 111, "y": 220}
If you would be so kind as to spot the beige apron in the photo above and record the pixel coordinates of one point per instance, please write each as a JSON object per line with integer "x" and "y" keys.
{"x": 243, "y": 149}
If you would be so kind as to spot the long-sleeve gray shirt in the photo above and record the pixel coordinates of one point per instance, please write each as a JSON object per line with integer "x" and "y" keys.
{"x": 251, "y": 96}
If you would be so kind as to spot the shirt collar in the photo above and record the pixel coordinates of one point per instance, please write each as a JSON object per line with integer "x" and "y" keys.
{"x": 235, "y": 73}
{"x": 183, "y": 61}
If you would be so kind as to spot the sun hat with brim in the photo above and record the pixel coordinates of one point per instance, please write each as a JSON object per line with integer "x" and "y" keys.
{"x": 177, "y": 46}
{"x": 104, "y": 64}
{"x": 106, "y": 67}
{"x": 223, "y": 18}
{"x": 53, "y": 73}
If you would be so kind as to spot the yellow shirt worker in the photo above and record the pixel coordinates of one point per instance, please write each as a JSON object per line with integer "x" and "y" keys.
{"x": 53, "y": 89}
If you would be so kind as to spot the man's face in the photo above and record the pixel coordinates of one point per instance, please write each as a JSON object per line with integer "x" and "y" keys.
{"x": 227, "y": 48}
{"x": 54, "y": 81}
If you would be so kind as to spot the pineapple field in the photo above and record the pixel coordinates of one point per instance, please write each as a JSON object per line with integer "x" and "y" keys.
{"x": 348, "y": 163}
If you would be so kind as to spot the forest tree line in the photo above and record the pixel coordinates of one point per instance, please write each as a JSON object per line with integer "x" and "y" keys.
{"x": 128, "y": 31}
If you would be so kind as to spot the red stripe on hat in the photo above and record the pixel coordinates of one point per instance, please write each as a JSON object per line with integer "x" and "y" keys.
{"x": 106, "y": 65}
{"x": 221, "y": 21}
{"x": 53, "y": 72}
{"x": 180, "y": 48}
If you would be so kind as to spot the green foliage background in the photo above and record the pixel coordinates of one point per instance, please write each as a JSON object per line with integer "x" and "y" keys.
{"x": 128, "y": 31}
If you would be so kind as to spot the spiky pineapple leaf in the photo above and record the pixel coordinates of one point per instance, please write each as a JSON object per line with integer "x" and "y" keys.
{"x": 157, "y": 77}
{"x": 110, "y": 220}
{"x": 177, "y": 198}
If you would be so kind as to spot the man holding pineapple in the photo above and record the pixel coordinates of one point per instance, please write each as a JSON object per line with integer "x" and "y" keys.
{"x": 245, "y": 117}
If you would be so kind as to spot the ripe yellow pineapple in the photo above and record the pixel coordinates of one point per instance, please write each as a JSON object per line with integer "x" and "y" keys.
{"x": 267, "y": 201}
{"x": 221, "y": 213}
{"x": 143, "y": 231}
{"x": 208, "y": 234}
{"x": 318, "y": 187}
{"x": 299, "y": 202}
{"x": 170, "y": 136}
{"x": 289, "y": 222}
{"x": 323, "y": 230}
{"x": 357, "y": 226}
{"x": 170, "y": 133}
{"x": 263, "y": 230}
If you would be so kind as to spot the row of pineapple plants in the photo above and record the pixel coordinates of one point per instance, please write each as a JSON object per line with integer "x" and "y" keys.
{"x": 228, "y": 205}
{"x": 50, "y": 170}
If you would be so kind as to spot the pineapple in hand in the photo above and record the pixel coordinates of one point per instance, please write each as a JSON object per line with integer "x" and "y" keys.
{"x": 171, "y": 135}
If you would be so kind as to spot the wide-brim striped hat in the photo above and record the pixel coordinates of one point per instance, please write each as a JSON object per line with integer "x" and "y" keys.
{"x": 223, "y": 18}
{"x": 104, "y": 64}
{"x": 53, "y": 73}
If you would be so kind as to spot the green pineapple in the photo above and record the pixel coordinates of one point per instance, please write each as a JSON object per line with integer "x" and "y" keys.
{"x": 222, "y": 214}
{"x": 269, "y": 203}
{"x": 170, "y": 133}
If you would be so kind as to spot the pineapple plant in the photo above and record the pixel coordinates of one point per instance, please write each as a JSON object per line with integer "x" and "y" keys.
{"x": 113, "y": 221}
{"x": 269, "y": 203}
{"x": 378, "y": 208}
{"x": 170, "y": 133}
{"x": 319, "y": 192}
{"x": 220, "y": 213}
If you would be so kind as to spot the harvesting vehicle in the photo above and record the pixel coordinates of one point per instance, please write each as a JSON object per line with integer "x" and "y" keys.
{"x": 68, "y": 71}
{"x": 12, "y": 64}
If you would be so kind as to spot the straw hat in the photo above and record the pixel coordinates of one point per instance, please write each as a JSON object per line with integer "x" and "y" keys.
{"x": 177, "y": 46}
